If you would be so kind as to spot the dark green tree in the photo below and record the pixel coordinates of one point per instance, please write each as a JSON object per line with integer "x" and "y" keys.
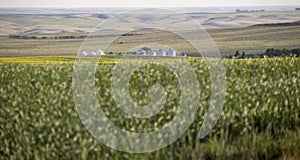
{"x": 237, "y": 53}
{"x": 243, "y": 55}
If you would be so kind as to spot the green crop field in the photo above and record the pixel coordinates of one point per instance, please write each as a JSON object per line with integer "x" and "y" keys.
{"x": 260, "y": 118}
{"x": 39, "y": 118}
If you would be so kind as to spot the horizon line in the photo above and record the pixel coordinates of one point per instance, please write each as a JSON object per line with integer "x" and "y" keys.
{"x": 295, "y": 6}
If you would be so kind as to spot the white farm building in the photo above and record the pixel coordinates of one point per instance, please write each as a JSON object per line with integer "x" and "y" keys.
{"x": 170, "y": 52}
{"x": 92, "y": 53}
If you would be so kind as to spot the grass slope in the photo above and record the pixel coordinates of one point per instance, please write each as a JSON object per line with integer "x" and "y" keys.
{"x": 254, "y": 39}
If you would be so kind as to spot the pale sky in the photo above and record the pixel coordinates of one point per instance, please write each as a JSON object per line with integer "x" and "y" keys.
{"x": 143, "y": 3}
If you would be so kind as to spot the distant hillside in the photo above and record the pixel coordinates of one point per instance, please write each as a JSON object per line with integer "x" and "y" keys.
{"x": 80, "y": 23}
{"x": 251, "y": 40}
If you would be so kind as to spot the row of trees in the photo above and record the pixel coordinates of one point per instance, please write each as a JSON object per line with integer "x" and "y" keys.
{"x": 270, "y": 52}
{"x": 64, "y": 37}
{"x": 297, "y": 23}
{"x": 44, "y": 37}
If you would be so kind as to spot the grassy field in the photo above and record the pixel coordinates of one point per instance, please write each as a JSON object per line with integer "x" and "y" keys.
{"x": 260, "y": 118}
{"x": 248, "y": 39}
